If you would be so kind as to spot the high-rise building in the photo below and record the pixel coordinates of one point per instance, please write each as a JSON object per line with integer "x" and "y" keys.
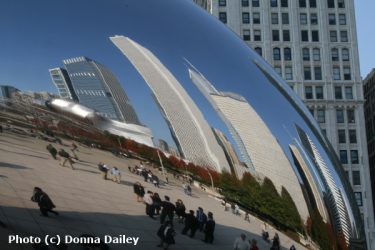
{"x": 63, "y": 84}
{"x": 369, "y": 92}
{"x": 191, "y": 132}
{"x": 313, "y": 46}
{"x": 98, "y": 88}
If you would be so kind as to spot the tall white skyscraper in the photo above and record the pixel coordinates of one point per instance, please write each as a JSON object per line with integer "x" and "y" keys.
{"x": 192, "y": 133}
{"x": 313, "y": 45}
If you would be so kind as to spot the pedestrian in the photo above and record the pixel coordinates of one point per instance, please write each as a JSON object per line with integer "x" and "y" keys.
{"x": 247, "y": 217}
{"x": 139, "y": 191}
{"x": 155, "y": 181}
{"x": 103, "y": 170}
{"x": 147, "y": 198}
{"x": 180, "y": 210}
{"x": 292, "y": 247}
{"x": 156, "y": 203}
{"x": 65, "y": 157}
{"x": 241, "y": 243}
{"x": 275, "y": 242}
{"x": 236, "y": 209}
{"x": 201, "y": 217}
{"x": 145, "y": 175}
{"x": 188, "y": 190}
{"x": 253, "y": 245}
{"x": 116, "y": 175}
{"x": 44, "y": 202}
{"x": 74, "y": 149}
{"x": 166, "y": 234}
{"x": 209, "y": 229}
{"x": 52, "y": 151}
{"x": 167, "y": 210}
{"x": 233, "y": 208}
{"x": 191, "y": 223}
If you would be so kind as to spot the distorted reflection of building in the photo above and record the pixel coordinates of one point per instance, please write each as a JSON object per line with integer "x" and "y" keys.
{"x": 163, "y": 145}
{"x": 267, "y": 158}
{"x": 7, "y": 92}
{"x": 237, "y": 167}
{"x": 97, "y": 87}
{"x": 134, "y": 132}
{"x": 63, "y": 84}
{"x": 332, "y": 193}
{"x": 191, "y": 132}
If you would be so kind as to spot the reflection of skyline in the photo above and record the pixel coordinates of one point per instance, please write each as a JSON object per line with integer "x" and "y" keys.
{"x": 254, "y": 136}
{"x": 191, "y": 131}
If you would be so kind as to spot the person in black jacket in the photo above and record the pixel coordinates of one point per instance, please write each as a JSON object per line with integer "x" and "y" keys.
{"x": 168, "y": 210}
{"x": 180, "y": 210}
{"x": 191, "y": 223}
{"x": 52, "y": 150}
{"x": 209, "y": 229}
{"x": 156, "y": 203}
{"x": 139, "y": 191}
{"x": 166, "y": 234}
{"x": 65, "y": 157}
{"x": 45, "y": 203}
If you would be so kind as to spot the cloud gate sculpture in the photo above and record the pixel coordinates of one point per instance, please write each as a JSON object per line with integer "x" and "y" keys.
{"x": 205, "y": 79}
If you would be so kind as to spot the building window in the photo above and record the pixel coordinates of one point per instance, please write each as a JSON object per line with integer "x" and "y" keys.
{"x": 354, "y": 157}
{"x": 284, "y": 18}
{"x": 256, "y": 18}
{"x": 286, "y": 35}
{"x": 308, "y": 92}
{"x": 245, "y": 17}
{"x": 245, "y": 3}
{"x": 287, "y": 54}
{"x": 274, "y": 18}
{"x": 276, "y": 54}
{"x": 333, "y": 36}
{"x": 307, "y": 73}
{"x": 356, "y": 178}
{"x": 319, "y": 92}
{"x": 331, "y": 3}
{"x": 304, "y": 36}
{"x": 288, "y": 73}
{"x": 358, "y": 198}
{"x": 257, "y": 35}
{"x": 303, "y": 18}
{"x": 347, "y": 75}
{"x": 343, "y": 157}
{"x": 321, "y": 116}
{"x": 246, "y": 35}
{"x": 312, "y": 3}
{"x": 306, "y": 54}
{"x": 336, "y": 73}
{"x": 275, "y": 35}
{"x": 318, "y": 73}
{"x": 273, "y": 3}
{"x": 222, "y": 3}
{"x": 223, "y": 17}
{"x": 340, "y": 116}
{"x": 338, "y": 93}
{"x": 343, "y": 36}
{"x": 352, "y": 136}
{"x": 278, "y": 71}
{"x": 302, "y": 3}
{"x": 335, "y": 54}
{"x": 313, "y": 19}
{"x": 351, "y": 115}
{"x": 255, "y": 3}
{"x": 341, "y": 135}
{"x": 258, "y": 50}
{"x": 315, "y": 35}
{"x": 284, "y": 3}
{"x": 341, "y": 3}
{"x": 331, "y": 19}
{"x": 348, "y": 93}
{"x": 316, "y": 54}
{"x": 342, "y": 19}
{"x": 345, "y": 54}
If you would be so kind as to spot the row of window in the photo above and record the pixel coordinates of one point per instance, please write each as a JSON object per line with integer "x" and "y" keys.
{"x": 277, "y": 54}
{"x": 318, "y": 93}
{"x": 341, "y": 134}
{"x": 285, "y": 4}
{"x": 82, "y": 74}
{"x": 275, "y": 18}
{"x": 90, "y": 92}
{"x": 336, "y": 73}
{"x": 247, "y": 35}
{"x": 288, "y": 72}
{"x": 354, "y": 159}
{"x": 340, "y": 117}
{"x": 314, "y": 19}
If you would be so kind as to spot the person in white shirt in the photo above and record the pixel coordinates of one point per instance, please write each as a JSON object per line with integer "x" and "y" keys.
{"x": 241, "y": 243}
{"x": 116, "y": 175}
{"x": 147, "y": 198}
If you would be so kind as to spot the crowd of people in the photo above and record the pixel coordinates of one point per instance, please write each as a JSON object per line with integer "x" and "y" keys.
{"x": 64, "y": 156}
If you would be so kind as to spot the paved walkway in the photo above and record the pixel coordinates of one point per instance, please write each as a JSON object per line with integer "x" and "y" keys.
{"x": 88, "y": 204}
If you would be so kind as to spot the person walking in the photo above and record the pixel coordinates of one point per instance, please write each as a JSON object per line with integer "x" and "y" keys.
{"x": 201, "y": 217}
{"x": 139, "y": 191}
{"x": 115, "y": 175}
{"x": 44, "y": 202}
{"x": 275, "y": 242}
{"x": 65, "y": 157}
{"x": 156, "y": 203}
{"x": 52, "y": 151}
{"x": 247, "y": 217}
{"x": 166, "y": 234}
{"x": 191, "y": 223}
{"x": 253, "y": 245}
{"x": 147, "y": 198}
{"x": 209, "y": 229}
{"x": 240, "y": 243}
{"x": 167, "y": 210}
{"x": 103, "y": 170}
{"x": 180, "y": 210}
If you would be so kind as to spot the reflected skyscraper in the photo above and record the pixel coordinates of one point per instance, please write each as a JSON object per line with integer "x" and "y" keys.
{"x": 98, "y": 88}
{"x": 63, "y": 84}
{"x": 256, "y": 139}
{"x": 191, "y": 132}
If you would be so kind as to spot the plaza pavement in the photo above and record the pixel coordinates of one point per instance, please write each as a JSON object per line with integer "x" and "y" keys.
{"x": 91, "y": 205}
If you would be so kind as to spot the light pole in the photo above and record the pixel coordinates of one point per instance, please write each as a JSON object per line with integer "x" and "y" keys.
{"x": 212, "y": 181}
{"x": 162, "y": 166}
